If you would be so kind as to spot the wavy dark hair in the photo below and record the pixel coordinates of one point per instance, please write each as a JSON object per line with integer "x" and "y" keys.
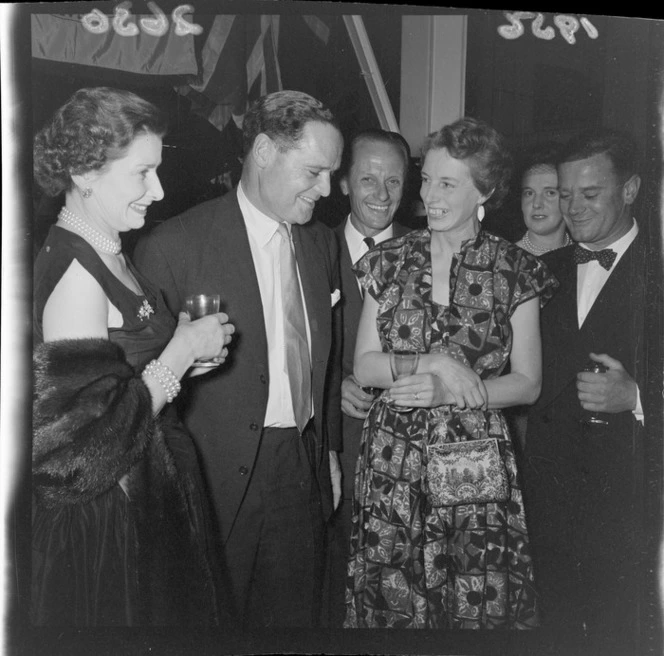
{"x": 95, "y": 126}
{"x": 282, "y": 115}
{"x": 544, "y": 155}
{"x": 617, "y": 145}
{"x": 485, "y": 150}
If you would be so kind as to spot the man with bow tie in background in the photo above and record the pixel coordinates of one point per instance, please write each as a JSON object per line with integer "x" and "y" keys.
{"x": 586, "y": 481}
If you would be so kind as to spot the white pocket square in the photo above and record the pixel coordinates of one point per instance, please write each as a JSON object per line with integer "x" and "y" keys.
{"x": 335, "y": 297}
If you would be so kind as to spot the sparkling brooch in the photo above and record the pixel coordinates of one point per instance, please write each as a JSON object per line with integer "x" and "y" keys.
{"x": 145, "y": 310}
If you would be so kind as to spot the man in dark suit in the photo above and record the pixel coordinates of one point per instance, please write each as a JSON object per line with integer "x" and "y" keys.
{"x": 373, "y": 173}
{"x": 586, "y": 496}
{"x": 266, "y": 424}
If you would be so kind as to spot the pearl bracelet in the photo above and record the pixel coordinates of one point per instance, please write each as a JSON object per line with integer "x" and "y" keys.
{"x": 165, "y": 377}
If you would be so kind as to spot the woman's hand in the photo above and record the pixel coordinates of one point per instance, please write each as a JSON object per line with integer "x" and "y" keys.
{"x": 461, "y": 385}
{"x": 206, "y": 337}
{"x": 420, "y": 390}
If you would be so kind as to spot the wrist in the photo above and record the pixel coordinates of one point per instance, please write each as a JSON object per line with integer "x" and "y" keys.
{"x": 431, "y": 364}
{"x": 161, "y": 373}
{"x": 179, "y": 353}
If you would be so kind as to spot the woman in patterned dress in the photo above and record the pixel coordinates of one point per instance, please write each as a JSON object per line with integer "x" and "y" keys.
{"x": 468, "y": 302}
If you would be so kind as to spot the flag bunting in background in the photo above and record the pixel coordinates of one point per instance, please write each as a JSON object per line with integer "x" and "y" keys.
{"x": 225, "y": 64}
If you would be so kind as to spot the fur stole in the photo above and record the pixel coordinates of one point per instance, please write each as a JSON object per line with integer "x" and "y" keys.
{"x": 93, "y": 424}
{"x": 92, "y": 420}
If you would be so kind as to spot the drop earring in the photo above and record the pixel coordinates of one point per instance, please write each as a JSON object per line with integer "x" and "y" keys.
{"x": 480, "y": 213}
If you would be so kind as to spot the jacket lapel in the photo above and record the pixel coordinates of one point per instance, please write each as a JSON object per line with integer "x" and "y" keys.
{"x": 235, "y": 267}
{"x": 351, "y": 300}
{"x": 560, "y": 328}
{"x": 315, "y": 286}
{"x": 351, "y": 289}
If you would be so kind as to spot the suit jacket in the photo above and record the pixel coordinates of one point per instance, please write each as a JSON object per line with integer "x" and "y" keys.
{"x": 205, "y": 250}
{"x": 351, "y": 428}
{"x": 585, "y": 486}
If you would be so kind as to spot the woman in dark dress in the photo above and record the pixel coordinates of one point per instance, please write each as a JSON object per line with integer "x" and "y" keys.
{"x": 119, "y": 527}
{"x": 439, "y": 538}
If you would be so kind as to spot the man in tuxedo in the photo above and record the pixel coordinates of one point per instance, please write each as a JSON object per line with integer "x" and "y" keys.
{"x": 586, "y": 483}
{"x": 266, "y": 423}
{"x": 373, "y": 174}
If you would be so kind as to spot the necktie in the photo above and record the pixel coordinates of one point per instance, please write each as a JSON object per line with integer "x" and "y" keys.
{"x": 298, "y": 364}
{"x": 369, "y": 241}
{"x": 605, "y": 257}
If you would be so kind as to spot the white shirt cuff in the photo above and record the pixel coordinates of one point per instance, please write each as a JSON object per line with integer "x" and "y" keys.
{"x": 638, "y": 410}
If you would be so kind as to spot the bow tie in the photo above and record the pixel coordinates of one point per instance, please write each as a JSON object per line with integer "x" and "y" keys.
{"x": 605, "y": 257}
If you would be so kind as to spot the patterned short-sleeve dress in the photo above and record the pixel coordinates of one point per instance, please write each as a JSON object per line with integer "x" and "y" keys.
{"x": 456, "y": 567}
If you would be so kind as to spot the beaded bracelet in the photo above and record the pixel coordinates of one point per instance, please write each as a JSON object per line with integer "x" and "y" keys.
{"x": 165, "y": 377}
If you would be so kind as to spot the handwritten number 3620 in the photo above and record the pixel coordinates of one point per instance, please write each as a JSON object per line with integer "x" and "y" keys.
{"x": 98, "y": 23}
{"x": 568, "y": 26}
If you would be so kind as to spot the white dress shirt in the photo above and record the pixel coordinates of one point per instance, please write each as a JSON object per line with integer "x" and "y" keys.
{"x": 355, "y": 239}
{"x": 264, "y": 243}
{"x": 591, "y": 278}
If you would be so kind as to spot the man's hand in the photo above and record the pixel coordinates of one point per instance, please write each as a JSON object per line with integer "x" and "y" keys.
{"x": 612, "y": 391}
{"x": 354, "y": 402}
{"x": 335, "y": 477}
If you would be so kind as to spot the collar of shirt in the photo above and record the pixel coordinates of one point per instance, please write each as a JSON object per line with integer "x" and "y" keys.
{"x": 261, "y": 227}
{"x": 591, "y": 276}
{"x": 355, "y": 239}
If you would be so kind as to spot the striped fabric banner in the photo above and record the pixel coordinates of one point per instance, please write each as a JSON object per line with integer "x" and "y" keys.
{"x": 122, "y": 46}
{"x": 318, "y": 27}
{"x": 240, "y": 60}
{"x": 239, "y": 64}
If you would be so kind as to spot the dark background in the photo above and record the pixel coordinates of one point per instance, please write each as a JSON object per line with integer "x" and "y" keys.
{"x": 530, "y": 89}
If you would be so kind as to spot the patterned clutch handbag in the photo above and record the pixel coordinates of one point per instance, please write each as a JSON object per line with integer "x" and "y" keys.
{"x": 466, "y": 472}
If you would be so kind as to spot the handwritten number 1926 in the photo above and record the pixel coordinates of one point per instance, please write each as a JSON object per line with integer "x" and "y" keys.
{"x": 568, "y": 26}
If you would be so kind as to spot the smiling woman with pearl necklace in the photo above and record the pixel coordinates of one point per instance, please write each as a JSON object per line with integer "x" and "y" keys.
{"x": 545, "y": 227}
{"x": 113, "y": 480}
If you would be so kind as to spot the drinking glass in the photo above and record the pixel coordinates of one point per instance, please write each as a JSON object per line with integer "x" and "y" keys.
{"x": 197, "y": 306}
{"x": 591, "y": 418}
{"x": 402, "y": 364}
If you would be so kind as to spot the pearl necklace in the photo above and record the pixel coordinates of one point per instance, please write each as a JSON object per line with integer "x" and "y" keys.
{"x": 92, "y": 236}
{"x": 537, "y": 250}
